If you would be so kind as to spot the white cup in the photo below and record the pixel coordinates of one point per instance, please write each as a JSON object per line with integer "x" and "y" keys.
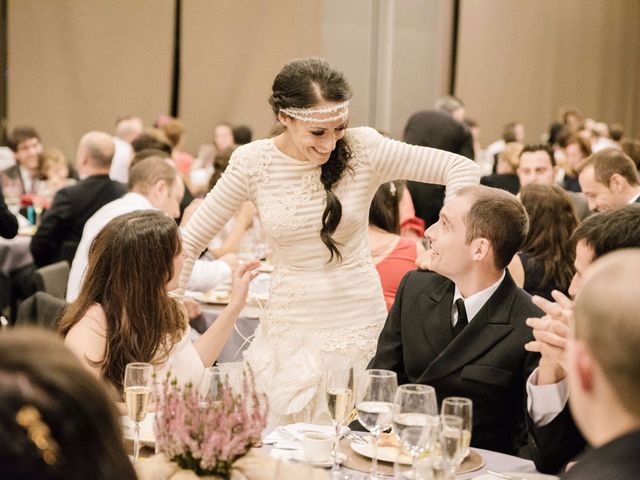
{"x": 317, "y": 447}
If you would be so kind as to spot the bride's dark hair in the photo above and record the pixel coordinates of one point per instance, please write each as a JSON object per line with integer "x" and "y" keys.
{"x": 303, "y": 83}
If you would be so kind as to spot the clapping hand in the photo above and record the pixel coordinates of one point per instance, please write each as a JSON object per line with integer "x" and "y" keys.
{"x": 550, "y": 333}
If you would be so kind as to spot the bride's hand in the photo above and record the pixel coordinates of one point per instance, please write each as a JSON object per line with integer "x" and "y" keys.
{"x": 242, "y": 277}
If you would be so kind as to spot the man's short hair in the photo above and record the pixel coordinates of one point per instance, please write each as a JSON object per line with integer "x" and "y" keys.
{"x": 610, "y": 230}
{"x": 242, "y": 135}
{"x": 151, "y": 138}
{"x": 609, "y": 161}
{"x": 498, "y": 216}
{"x": 19, "y": 135}
{"x": 149, "y": 152}
{"x": 449, "y": 104}
{"x": 606, "y": 318}
{"x": 537, "y": 148}
{"x": 99, "y": 157}
{"x": 146, "y": 173}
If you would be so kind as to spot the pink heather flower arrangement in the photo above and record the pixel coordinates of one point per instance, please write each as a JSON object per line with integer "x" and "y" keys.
{"x": 207, "y": 437}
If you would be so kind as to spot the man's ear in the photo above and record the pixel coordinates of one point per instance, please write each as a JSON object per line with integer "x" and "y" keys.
{"x": 584, "y": 365}
{"x": 616, "y": 183}
{"x": 158, "y": 188}
{"x": 480, "y": 248}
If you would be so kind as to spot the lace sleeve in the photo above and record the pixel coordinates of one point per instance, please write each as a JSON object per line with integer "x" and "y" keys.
{"x": 394, "y": 160}
{"x": 217, "y": 208}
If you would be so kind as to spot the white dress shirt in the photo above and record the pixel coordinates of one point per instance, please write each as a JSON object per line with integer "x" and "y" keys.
{"x": 475, "y": 302}
{"x": 206, "y": 274}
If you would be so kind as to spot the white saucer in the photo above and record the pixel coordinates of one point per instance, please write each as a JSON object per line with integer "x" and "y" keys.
{"x": 299, "y": 456}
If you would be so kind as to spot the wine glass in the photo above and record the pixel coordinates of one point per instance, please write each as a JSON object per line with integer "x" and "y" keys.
{"x": 451, "y": 443}
{"x": 415, "y": 420}
{"x": 138, "y": 385}
{"x": 339, "y": 389}
{"x": 210, "y": 389}
{"x": 463, "y": 408}
{"x": 376, "y": 391}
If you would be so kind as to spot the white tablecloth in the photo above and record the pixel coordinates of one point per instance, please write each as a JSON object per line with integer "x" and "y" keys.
{"x": 14, "y": 253}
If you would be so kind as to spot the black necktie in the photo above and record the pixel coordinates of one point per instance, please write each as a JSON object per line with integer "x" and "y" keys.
{"x": 462, "y": 317}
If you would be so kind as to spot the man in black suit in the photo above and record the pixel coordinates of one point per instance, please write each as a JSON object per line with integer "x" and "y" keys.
{"x": 554, "y": 439}
{"x": 461, "y": 326}
{"x": 609, "y": 179}
{"x": 437, "y": 129}
{"x": 59, "y": 233}
{"x": 603, "y": 354}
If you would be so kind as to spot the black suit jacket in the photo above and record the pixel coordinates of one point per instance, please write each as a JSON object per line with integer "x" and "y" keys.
{"x": 618, "y": 459}
{"x": 554, "y": 445}
{"x": 435, "y": 129}
{"x": 485, "y": 362}
{"x": 8, "y": 221}
{"x": 60, "y": 231}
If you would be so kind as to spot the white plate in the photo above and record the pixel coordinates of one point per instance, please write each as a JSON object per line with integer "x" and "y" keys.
{"x": 526, "y": 476}
{"x": 386, "y": 454}
{"x": 299, "y": 456}
{"x": 147, "y": 435}
{"x": 213, "y": 297}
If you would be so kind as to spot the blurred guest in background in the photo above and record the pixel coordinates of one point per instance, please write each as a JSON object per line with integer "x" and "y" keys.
{"x": 544, "y": 263}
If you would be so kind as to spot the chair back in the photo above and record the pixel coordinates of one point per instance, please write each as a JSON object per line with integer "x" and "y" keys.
{"x": 40, "y": 309}
{"x": 53, "y": 279}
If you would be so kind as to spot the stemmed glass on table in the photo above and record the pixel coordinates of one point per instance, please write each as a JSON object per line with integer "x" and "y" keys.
{"x": 210, "y": 389}
{"x": 376, "y": 391}
{"x": 339, "y": 389}
{"x": 451, "y": 433}
{"x": 463, "y": 408}
{"x": 415, "y": 420}
{"x": 138, "y": 385}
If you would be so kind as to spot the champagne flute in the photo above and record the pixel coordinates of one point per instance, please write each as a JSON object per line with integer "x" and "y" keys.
{"x": 415, "y": 420}
{"x": 210, "y": 389}
{"x": 339, "y": 389}
{"x": 451, "y": 443}
{"x": 138, "y": 385}
{"x": 376, "y": 391}
{"x": 463, "y": 408}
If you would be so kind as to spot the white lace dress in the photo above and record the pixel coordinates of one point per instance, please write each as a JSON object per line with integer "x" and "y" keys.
{"x": 317, "y": 311}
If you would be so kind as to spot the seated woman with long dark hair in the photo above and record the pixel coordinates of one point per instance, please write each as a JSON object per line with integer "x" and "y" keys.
{"x": 124, "y": 312}
{"x": 545, "y": 261}
{"x": 392, "y": 254}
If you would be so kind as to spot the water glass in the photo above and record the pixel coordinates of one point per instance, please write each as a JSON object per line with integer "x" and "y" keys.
{"x": 463, "y": 408}
{"x": 451, "y": 443}
{"x": 376, "y": 391}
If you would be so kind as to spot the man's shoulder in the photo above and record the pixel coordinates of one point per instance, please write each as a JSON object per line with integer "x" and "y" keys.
{"x": 424, "y": 280}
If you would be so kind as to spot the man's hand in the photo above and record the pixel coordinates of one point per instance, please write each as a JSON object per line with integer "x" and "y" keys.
{"x": 423, "y": 262}
{"x": 550, "y": 333}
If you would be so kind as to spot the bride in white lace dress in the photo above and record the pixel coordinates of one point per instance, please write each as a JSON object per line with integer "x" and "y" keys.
{"x": 312, "y": 186}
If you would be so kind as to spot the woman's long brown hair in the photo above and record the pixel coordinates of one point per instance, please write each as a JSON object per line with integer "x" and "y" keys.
{"x": 552, "y": 220}
{"x": 130, "y": 264}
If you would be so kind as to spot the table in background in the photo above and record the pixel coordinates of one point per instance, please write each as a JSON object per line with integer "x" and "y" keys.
{"x": 14, "y": 253}
{"x": 235, "y": 345}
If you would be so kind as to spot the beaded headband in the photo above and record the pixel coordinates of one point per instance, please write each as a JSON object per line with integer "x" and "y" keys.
{"x": 309, "y": 114}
